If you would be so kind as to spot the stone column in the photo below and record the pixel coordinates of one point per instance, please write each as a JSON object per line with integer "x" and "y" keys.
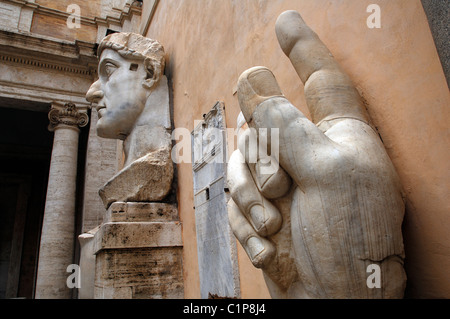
{"x": 57, "y": 237}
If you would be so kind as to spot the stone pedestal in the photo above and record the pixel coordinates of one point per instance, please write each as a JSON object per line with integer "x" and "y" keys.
{"x": 138, "y": 252}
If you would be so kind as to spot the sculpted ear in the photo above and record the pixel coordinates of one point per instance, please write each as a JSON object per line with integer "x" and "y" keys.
{"x": 153, "y": 69}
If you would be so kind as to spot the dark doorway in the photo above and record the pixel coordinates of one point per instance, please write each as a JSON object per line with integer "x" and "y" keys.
{"x": 25, "y": 152}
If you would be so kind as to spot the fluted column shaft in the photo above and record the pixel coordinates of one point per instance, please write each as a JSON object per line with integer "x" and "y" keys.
{"x": 57, "y": 237}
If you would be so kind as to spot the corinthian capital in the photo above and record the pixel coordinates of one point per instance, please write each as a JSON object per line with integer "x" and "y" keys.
{"x": 67, "y": 115}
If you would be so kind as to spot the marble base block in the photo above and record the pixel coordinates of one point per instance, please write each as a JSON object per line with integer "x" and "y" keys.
{"x": 138, "y": 252}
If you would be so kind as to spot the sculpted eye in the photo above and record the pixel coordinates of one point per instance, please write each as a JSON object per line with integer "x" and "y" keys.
{"x": 109, "y": 69}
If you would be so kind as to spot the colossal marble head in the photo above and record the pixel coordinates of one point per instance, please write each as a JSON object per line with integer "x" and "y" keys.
{"x": 132, "y": 102}
{"x": 130, "y": 67}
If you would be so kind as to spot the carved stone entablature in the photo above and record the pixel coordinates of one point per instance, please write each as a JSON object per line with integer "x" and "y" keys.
{"x": 32, "y": 62}
{"x": 114, "y": 15}
{"x": 43, "y": 69}
{"x": 67, "y": 115}
{"x": 40, "y": 51}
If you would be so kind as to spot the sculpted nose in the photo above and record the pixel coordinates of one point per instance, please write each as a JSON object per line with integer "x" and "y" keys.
{"x": 94, "y": 94}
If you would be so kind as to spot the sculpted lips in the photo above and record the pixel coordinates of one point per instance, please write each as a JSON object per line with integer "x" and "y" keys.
{"x": 100, "y": 109}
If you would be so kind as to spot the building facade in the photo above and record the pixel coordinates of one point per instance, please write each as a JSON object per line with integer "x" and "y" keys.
{"x": 53, "y": 163}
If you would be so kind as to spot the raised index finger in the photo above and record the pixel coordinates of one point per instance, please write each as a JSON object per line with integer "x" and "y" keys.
{"x": 329, "y": 92}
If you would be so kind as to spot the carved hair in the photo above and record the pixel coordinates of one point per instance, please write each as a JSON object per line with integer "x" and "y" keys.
{"x": 138, "y": 47}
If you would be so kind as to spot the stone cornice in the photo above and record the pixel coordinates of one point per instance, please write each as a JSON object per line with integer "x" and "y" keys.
{"x": 40, "y": 44}
{"x": 148, "y": 20}
{"x": 122, "y": 15}
{"x": 44, "y": 94}
{"x": 46, "y": 65}
{"x": 77, "y": 57}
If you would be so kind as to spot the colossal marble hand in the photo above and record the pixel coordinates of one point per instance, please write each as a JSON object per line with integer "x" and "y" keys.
{"x": 334, "y": 206}
{"x": 131, "y": 97}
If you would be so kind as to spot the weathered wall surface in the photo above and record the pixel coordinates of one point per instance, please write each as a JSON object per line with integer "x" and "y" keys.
{"x": 88, "y": 20}
{"x": 88, "y": 8}
{"x": 56, "y": 26}
{"x": 396, "y": 68}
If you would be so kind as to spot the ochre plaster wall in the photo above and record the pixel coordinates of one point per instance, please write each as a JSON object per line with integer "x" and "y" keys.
{"x": 88, "y": 8}
{"x": 396, "y": 68}
{"x": 56, "y": 26}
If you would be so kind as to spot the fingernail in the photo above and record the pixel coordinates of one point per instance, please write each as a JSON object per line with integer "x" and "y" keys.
{"x": 263, "y": 82}
{"x": 258, "y": 216}
{"x": 255, "y": 247}
{"x": 255, "y": 85}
